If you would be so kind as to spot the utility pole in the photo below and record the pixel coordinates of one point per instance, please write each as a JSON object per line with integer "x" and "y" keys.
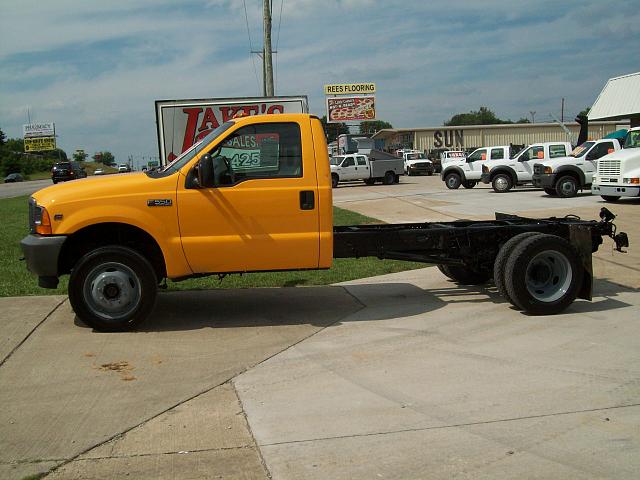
{"x": 266, "y": 54}
{"x": 562, "y": 111}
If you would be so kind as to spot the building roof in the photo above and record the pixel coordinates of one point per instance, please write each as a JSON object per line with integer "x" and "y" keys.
{"x": 620, "y": 98}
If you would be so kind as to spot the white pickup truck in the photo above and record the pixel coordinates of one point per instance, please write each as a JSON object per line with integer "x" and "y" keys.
{"x": 415, "y": 162}
{"x": 359, "y": 167}
{"x": 503, "y": 175}
{"x": 467, "y": 171}
{"x": 618, "y": 174}
{"x": 565, "y": 176}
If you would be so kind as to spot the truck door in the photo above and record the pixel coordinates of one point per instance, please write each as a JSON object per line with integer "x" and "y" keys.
{"x": 475, "y": 160}
{"x": 525, "y": 162}
{"x": 349, "y": 169}
{"x": 262, "y": 213}
{"x": 591, "y": 159}
{"x": 363, "y": 166}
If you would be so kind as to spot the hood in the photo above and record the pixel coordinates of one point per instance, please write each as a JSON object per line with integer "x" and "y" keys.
{"x": 102, "y": 187}
{"x": 624, "y": 154}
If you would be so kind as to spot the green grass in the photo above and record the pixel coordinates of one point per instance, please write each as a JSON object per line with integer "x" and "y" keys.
{"x": 15, "y": 280}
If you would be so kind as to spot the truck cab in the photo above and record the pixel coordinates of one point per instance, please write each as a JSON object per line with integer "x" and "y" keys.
{"x": 467, "y": 171}
{"x": 505, "y": 174}
{"x": 565, "y": 176}
{"x": 618, "y": 174}
{"x": 356, "y": 166}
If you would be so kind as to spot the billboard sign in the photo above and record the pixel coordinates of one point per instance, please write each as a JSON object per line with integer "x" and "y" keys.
{"x": 349, "y": 88}
{"x": 181, "y": 123}
{"x": 38, "y": 130}
{"x": 348, "y": 109}
{"x": 39, "y": 144}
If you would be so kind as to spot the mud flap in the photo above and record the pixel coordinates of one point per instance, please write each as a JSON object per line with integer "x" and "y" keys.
{"x": 580, "y": 238}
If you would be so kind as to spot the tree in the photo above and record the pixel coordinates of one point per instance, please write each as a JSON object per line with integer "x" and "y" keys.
{"x": 80, "y": 156}
{"x": 584, "y": 112}
{"x": 3, "y": 138}
{"x": 332, "y": 130}
{"x": 371, "y": 127}
{"x": 483, "y": 116}
{"x": 108, "y": 158}
{"x": 523, "y": 120}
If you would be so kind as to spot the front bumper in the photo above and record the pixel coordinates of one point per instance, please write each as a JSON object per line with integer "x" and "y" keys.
{"x": 616, "y": 191}
{"x": 486, "y": 178}
{"x": 421, "y": 169}
{"x": 544, "y": 180}
{"x": 42, "y": 254}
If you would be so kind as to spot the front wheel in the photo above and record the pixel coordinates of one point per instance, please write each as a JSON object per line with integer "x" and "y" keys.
{"x": 334, "y": 180}
{"x": 502, "y": 183}
{"x": 567, "y": 186}
{"x": 113, "y": 288}
{"x": 452, "y": 181}
{"x": 543, "y": 274}
{"x": 469, "y": 184}
{"x": 610, "y": 198}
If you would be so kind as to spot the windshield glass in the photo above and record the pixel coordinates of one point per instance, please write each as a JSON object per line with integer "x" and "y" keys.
{"x": 415, "y": 156}
{"x": 580, "y": 150}
{"x": 188, "y": 154}
{"x": 632, "y": 139}
{"x": 336, "y": 160}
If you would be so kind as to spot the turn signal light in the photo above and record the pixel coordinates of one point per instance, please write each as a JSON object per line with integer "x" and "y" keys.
{"x": 43, "y": 222}
{"x": 633, "y": 181}
{"x": 548, "y": 170}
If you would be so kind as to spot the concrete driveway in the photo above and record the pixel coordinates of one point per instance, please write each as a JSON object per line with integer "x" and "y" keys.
{"x": 402, "y": 376}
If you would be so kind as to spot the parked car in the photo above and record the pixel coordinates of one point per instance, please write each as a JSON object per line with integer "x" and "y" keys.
{"x": 123, "y": 168}
{"x": 63, "y": 171}
{"x": 13, "y": 177}
{"x": 416, "y": 163}
{"x": 99, "y": 171}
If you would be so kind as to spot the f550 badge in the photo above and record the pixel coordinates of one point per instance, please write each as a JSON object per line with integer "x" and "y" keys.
{"x": 161, "y": 202}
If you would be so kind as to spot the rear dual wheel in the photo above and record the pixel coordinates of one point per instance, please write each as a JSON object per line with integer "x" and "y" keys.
{"x": 542, "y": 274}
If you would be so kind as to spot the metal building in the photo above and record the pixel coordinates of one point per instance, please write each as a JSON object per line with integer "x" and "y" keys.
{"x": 469, "y": 137}
{"x": 620, "y": 98}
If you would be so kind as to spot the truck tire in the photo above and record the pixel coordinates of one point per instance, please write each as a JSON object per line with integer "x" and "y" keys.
{"x": 396, "y": 179}
{"x": 429, "y": 173}
{"x": 369, "y": 181}
{"x": 610, "y": 198}
{"x": 452, "y": 181}
{"x": 464, "y": 275}
{"x": 408, "y": 172}
{"x": 550, "y": 191}
{"x": 500, "y": 262}
{"x": 113, "y": 288}
{"x": 389, "y": 178}
{"x": 334, "y": 180}
{"x": 469, "y": 184}
{"x": 567, "y": 186}
{"x": 543, "y": 274}
{"x": 501, "y": 183}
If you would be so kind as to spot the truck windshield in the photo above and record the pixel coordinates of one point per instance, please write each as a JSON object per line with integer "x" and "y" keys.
{"x": 336, "y": 160}
{"x": 580, "y": 150}
{"x": 632, "y": 140}
{"x": 188, "y": 154}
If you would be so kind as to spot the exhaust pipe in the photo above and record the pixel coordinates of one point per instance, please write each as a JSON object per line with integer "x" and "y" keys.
{"x": 584, "y": 128}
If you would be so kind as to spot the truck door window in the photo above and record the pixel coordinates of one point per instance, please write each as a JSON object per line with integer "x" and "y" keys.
{"x": 600, "y": 150}
{"x": 362, "y": 161}
{"x": 497, "y": 154}
{"x": 477, "y": 155}
{"x": 557, "y": 151}
{"x": 532, "y": 153}
{"x": 349, "y": 162}
{"x": 264, "y": 150}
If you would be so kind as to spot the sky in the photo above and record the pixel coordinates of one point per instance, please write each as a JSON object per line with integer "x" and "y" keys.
{"x": 96, "y": 68}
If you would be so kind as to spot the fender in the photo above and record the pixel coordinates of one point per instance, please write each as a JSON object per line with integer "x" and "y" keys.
{"x": 454, "y": 169}
{"x": 504, "y": 169}
{"x": 572, "y": 169}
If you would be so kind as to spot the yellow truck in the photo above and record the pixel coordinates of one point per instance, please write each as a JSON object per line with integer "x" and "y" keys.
{"x": 255, "y": 195}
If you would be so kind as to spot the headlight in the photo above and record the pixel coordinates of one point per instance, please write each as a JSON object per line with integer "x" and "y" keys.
{"x": 39, "y": 221}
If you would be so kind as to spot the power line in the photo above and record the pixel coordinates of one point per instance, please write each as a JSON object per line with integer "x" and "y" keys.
{"x": 253, "y": 60}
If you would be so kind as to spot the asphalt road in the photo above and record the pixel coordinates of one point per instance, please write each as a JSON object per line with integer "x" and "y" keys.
{"x": 8, "y": 190}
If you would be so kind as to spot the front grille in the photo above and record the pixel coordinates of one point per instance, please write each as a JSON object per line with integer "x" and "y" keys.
{"x": 421, "y": 166}
{"x": 609, "y": 168}
{"x": 538, "y": 169}
{"x": 32, "y": 215}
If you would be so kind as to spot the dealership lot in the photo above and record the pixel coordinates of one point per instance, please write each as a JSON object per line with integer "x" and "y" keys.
{"x": 402, "y": 376}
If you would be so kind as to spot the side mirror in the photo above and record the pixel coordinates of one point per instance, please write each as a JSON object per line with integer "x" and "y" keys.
{"x": 205, "y": 172}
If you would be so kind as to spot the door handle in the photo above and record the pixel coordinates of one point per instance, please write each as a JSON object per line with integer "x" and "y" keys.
{"x": 307, "y": 200}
